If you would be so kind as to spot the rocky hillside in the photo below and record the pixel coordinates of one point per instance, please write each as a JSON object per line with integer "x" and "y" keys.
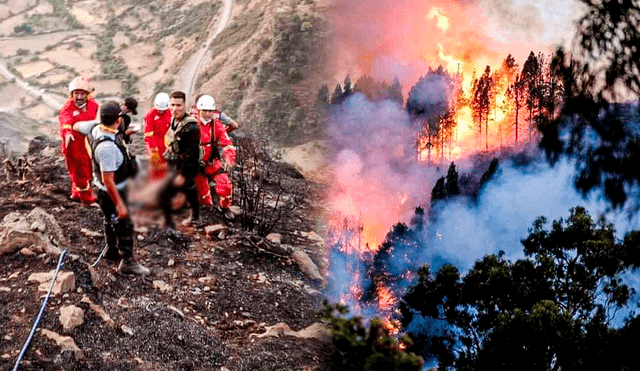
{"x": 220, "y": 296}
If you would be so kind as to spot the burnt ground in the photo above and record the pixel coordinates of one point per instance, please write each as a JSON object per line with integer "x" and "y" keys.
{"x": 201, "y": 320}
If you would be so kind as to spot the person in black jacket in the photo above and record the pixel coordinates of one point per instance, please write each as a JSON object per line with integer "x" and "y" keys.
{"x": 183, "y": 156}
{"x": 129, "y": 106}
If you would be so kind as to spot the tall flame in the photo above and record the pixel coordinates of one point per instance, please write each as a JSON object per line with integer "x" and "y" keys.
{"x": 442, "y": 20}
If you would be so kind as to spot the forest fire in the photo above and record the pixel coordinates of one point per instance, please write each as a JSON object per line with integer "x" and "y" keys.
{"x": 458, "y": 94}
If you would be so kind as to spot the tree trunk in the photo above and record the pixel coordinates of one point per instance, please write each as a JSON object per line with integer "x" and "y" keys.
{"x": 517, "y": 112}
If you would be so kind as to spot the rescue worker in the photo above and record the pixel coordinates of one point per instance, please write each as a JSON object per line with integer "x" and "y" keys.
{"x": 218, "y": 156}
{"x": 113, "y": 167}
{"x": 230, "y": 124}
{"x": 156, "y": 124}
{"x": 183, "y": 156}
{"x": 80, "y": 107}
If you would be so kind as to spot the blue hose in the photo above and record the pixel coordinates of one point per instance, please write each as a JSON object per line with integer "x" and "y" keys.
{"x": 42, "y": 308}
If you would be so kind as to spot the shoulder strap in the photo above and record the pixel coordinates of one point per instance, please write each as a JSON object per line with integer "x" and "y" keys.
{"x": 104, "y": 138}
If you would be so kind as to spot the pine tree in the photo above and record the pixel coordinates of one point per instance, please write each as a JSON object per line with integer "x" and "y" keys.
{"x": 323, "y": 94}
{"x": 451, "y": 187}
{"x": 337, "y": 95}
{"x": 516, "y": 93}
{"x": 530, "y": 79}
{"x": 347, "y": 88}
{"x": 439, "y": 191}
{"x": 482, "y": 98}
{"x": 394, "y": 91}
{"x": 367, "y": 86}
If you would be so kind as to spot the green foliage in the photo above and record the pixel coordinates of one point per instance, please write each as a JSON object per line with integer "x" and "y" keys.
{"x": 439, "y": 191}
{"x": 543, "y": 312}
{"x": 490, "y": 173}
{"x": 336, "y": 98}
{"x": 165, "y": 86}
{"x": 22, "y": 29}
{"x": 372, "y": 348}
{"x": 294, "y": 45}
{"x": 276, "y": 114}
{"x": 242, "y": 29}
{"x": 604, "y": 68}
{"x": 194, "y": 20}
{"x": 446, "y": 187}
{"x": 114, "y": 67}
{"x": 61, "y": 10}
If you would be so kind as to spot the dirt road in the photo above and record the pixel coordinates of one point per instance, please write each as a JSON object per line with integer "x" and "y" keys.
{"x": 50, "y": 100}
{"x": 188, "y": 74}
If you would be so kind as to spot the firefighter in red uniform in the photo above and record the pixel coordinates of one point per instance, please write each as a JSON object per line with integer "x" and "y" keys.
{"x": 79, "y": 107}
{"x": 218, "y": 155}
{"x": 156, "y": 124}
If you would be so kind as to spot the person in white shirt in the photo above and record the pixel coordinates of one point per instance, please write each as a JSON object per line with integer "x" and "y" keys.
{"x": 113, "y": 166}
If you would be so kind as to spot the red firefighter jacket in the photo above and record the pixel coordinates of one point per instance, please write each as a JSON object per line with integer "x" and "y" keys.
{"x": 215, "y": 141}
{"x": 70, "y": 114}
{"x": 156, "y": 125}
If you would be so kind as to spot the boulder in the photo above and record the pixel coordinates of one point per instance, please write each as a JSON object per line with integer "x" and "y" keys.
{"x": 71, "y": 317}
{"x": 315, "y": 331}
{"x": 313, "y": 236}
{"x": 38, "y": 231}
{"x": 215, "y": 231}
{"x": 65, "y": 282}
{"x": 274, "y": 238}
{"x": 99, "y": 311}
{"x": 277, "y": 330}
{"x": 307, "y": 266}
{"x": 64, "y": 342}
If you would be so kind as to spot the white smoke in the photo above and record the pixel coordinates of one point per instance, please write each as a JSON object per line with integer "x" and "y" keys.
{"x": 374, "y": 163}
{"x": 507, "y": 208}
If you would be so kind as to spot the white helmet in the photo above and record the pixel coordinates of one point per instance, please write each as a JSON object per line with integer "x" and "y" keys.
{"x": 206, "y": 102}
{"x": 80, "y": 83}
{"x": 161, "y": 103}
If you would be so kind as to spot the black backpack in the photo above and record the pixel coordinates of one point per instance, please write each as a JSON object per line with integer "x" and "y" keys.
{"x": 129, "y": 167}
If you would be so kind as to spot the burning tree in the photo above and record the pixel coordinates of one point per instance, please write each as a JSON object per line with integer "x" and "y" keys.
{"x": 547, "y": 311}
{"x": 431, "y": 106}
{"x": 481, "y": 103}
{"x": 530, "y": 79}
{"x": 505, "y": 78}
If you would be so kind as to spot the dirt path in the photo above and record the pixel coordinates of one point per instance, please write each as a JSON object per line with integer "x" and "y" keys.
{"x": 188, "y": 74}
{"x": 50, "y": 100}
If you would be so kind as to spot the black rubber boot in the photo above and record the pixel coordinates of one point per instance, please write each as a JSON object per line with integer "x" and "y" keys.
{"x": 111, "y": 243}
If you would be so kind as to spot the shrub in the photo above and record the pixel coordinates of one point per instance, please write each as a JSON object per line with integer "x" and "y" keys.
{"x": 372, "y": 348}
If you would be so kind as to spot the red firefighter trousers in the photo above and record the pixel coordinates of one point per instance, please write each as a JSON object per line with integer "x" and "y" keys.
{"x": 224, "y": 188}
{"x": 80, "y": 169}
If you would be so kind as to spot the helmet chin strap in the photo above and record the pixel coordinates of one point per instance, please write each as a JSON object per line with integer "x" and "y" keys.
{"x": 205, "y": 121}
{"x": 84, "y": 104}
